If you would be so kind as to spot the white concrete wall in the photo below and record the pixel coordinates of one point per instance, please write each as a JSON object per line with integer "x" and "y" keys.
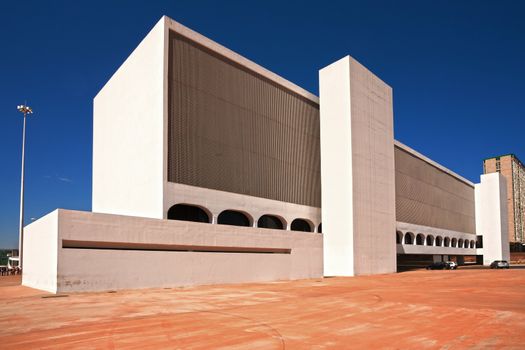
{"x": 128, "y": 133}
{"x": 336, "y": 168}
{"x": 357, "y": 170}
{"x": 491, "y": 217}
{"x": 373, "y": 172}
{"x": 97, "y": 269}
{"x": 41, "y": 253}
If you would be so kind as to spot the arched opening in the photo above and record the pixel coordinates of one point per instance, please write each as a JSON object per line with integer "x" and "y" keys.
{"x": 467, "y": 243}
{"x": 301, "y": 225}
{"x": 409, "y": 238}
{"x": 320, "y": 228}
{"x": 460, "y": 243}
{"x": 472, "y": 244}
{"x": 399, "y": 237}
{"x": 454, "y": 243}
{"x": 234, "y": 218}
{"x": 439, "y": 241}
{"x": 430, "y": 240}
{"x": 186, "y": 212}
{"x": 447, "y": 242}
{"x": 420, "y": 239}
{"x": 270, "y": 221}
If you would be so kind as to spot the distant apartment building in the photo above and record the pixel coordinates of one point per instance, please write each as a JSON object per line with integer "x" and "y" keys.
{"x": 514, "y": 172}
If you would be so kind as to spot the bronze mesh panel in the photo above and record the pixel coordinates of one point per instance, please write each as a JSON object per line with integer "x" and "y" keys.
{"x": 428, "y": 196}
{"x": 233, "y": 130}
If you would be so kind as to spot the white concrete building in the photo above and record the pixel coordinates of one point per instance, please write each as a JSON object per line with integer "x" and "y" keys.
{"x": 208, "y": 168}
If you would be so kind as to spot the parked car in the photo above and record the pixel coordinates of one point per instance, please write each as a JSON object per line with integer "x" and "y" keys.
{"x": 452, "y": 265}
{"x": 499, "y": 264}
{"x": 440, "y": 265}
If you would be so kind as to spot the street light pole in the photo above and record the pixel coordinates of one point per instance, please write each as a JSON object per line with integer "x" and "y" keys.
{"x": 25, "y": 110}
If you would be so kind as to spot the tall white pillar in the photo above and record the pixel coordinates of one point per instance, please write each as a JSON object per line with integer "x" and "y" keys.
{"x": 491, "y": 217}
{"x": 357, "y": 171}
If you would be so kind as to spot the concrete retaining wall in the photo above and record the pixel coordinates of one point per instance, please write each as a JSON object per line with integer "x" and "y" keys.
{"x": 99, "y": 252}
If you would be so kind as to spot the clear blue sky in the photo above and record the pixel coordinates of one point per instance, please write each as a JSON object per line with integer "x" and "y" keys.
{"x": 457, "y": 69}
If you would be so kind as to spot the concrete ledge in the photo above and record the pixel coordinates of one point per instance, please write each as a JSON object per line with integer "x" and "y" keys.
{"x": 96, "y": 252}
{"x": 433, "y": 250}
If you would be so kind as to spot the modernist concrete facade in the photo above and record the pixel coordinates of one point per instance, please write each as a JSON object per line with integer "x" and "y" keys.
{"x": 208, "y": 168}
{"x": 139, "y": 156}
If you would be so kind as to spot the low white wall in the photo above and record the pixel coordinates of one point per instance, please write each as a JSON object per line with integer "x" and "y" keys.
{"x": 41, "y": 253}
{"x": 97, "y": 269}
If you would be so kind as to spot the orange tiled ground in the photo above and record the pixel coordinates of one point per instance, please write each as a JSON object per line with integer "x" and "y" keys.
{"x": 464, "y": 309}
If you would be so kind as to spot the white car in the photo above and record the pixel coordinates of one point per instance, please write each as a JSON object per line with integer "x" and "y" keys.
{"x": 452, "y": 265}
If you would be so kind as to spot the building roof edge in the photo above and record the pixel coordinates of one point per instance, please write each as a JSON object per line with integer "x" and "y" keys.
{"x": 431, "y": 162}
{"x": 237, "y": 58}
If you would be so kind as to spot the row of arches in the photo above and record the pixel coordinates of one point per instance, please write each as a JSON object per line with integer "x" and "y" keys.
{"x": 429, "y": 240}
{"x": 187, "y": 212}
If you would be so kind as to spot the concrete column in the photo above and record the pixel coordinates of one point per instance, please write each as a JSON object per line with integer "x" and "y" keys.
{"x": 491, "y": 217}
{"x": 357, "y": 171}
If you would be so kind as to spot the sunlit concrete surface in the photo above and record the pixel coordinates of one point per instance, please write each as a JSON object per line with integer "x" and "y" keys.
{"x": 463, "y": 309}
{"x": 77, "y": 251}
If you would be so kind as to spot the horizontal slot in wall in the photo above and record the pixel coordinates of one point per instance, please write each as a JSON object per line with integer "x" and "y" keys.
{"x": 74, "y": 244}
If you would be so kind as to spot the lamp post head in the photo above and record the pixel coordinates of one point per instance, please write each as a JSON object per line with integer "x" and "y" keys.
{"x": 25, "y": 109}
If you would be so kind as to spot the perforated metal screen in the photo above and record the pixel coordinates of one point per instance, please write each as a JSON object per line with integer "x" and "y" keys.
{"x": 233, "y": 130}
{"x": 428, "y": 196}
